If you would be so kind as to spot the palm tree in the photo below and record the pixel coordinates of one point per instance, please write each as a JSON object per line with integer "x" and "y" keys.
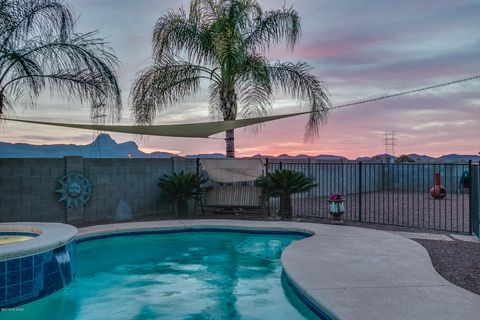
{"x": 178, "y": 188}
{"x": 283, "y": 184}
{"x": 40, "y": 49}
{"x": 225, "y": 42}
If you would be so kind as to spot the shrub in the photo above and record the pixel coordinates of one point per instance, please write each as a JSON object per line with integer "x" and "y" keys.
{"x": 178, "y": 188}
{"x": 284, "y": 183}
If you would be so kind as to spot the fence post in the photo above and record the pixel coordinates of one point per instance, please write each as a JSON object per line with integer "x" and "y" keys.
{"x": 471, "y": 208}
{"x": 360, "y": 191}
{"x": 475, "y": 186}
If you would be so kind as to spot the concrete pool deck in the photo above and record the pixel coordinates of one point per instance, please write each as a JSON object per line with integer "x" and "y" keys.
{"x": 350, "y": 272}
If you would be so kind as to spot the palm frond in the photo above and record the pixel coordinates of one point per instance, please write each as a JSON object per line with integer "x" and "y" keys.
{"x": 24, "y": 20}
{"x": 164, "y": 84}
{"x": 40, "y": 50}
{"x": 214, "y": 103}
{"x": 296, "y": 80}
{"x": 203, "y": 11}
{"x": 175, "y": 33}
{"x": 255, "y": 87}
{"x": 273, "y": 27}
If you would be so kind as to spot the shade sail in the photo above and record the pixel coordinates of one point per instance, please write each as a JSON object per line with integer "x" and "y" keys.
{"x": 191, "y": 130}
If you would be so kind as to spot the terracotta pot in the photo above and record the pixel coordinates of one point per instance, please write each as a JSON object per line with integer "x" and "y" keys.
{"x": 438, "y": 191}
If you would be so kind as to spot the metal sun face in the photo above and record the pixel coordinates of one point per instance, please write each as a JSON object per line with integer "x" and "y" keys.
{"x": 75, "y": 189}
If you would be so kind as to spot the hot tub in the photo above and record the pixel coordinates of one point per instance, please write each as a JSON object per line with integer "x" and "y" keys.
{"x": 12, "y": 237}
{"x": 36, "y": 259}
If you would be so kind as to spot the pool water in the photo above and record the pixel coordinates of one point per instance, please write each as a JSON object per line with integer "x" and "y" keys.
{"x": 198, "y": 275}
{"x": 12, "y": 237}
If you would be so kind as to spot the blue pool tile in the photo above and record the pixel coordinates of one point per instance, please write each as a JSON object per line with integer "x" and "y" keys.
{"x": 38, "y": 259}
{"x": 27, "y": 262}
{"x": 13, "y": 301}
{"x": 27, "y": 274}
{"x": 28, "y": 297}
{"x": 27, "y": 288}
{"x": 13, "y": 265}
{"x": 47, "y": 256}
{"x": 53, "y": 280}
{"x": 38, "y": 283}
{"x": 13, "y": 292}
{"x": 49, "y": 290}
{"x": 3, "y": 279}
{"x": 3, "y": 294}
{"x": 38, "y": 271}
{"x": 30, "y": 278}
{"x": 50, "y": 267}
{"x": 42, "y": 258}
{"x": 13, "y": 278}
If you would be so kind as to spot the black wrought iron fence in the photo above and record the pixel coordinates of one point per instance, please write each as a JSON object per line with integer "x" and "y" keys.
{"x": 475, "y": 199}
{"x": 384, "y": 193}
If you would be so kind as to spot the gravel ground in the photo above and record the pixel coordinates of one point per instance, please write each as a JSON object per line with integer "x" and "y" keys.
{"x": 457, "y": 261}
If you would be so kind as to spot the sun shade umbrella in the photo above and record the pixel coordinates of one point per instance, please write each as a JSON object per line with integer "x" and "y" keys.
{"x": 191, "y": 130}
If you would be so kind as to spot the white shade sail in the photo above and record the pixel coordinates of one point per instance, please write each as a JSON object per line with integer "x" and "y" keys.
{"x": 191, "y": 130}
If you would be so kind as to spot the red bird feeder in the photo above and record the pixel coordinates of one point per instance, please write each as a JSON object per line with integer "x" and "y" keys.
{"x": 438, "y": 191}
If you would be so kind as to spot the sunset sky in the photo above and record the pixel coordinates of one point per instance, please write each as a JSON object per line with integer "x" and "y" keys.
{"x": 360, "y": 49}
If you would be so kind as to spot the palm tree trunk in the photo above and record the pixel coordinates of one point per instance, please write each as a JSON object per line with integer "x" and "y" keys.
{"x": 182, "y": 208}
{"x": 230, "y": 143}
{"x": 229, "y": 111}
{"x": 286, "y": 206}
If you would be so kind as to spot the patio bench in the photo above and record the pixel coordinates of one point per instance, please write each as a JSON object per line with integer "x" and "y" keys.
{"x": 231, "y": 197}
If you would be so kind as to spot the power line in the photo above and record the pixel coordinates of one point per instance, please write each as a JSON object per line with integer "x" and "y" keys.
{"x": 406, "y": 92}
{"x": 445, "y": 84}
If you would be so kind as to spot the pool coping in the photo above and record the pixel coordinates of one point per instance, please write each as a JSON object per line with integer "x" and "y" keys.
{"x": 50, "y": 236}
{"x": 347, "y": 272}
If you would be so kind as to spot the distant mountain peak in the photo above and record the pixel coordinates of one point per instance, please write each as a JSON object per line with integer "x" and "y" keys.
{"x": 102, "y": 147}
{"x": 104, "y": 139}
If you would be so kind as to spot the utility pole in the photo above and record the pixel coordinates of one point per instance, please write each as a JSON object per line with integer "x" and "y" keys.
{"x": 390, "y": 141}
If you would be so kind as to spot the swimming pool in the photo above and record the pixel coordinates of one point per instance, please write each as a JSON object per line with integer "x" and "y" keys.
{"x": 190, "y": 275}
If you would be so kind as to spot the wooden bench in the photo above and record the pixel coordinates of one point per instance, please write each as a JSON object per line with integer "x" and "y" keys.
{"x": 233, "y": 197}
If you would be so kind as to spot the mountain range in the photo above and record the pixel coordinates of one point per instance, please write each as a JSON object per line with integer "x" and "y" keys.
{"x": 105, "y": 147}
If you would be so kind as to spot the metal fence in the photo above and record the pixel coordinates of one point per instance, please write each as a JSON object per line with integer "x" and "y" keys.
{"x": 475, "y": 199}
{"x": 383, "y": 193}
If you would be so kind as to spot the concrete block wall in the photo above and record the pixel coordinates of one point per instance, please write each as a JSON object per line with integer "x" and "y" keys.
{"x": 27, "y": 187}
{"x": 27, "y": 190}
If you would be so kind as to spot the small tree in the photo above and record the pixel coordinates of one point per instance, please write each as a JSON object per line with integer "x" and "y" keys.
{"x": 404, "y": 159}
{"x": 178, "y": 188}
{"x": 284, "y": 183}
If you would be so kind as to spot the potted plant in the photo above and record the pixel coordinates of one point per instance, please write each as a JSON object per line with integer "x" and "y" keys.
{"x": 336, "y": 206}
{"x": 284, "y": 183}
{"x": 178, "y": 188}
